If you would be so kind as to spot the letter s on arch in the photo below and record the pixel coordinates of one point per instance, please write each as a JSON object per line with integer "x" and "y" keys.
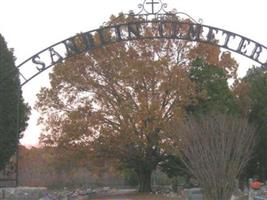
{"x": 36, "y": 60}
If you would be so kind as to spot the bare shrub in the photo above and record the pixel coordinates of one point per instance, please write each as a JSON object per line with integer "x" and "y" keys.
{"x": 215, "y": 148}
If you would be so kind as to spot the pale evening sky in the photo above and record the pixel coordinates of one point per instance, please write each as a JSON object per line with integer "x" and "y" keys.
{"x": 32, "y": 25}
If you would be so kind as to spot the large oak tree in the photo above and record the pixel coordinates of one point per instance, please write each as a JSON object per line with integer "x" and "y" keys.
{"x": 118, "y": 100}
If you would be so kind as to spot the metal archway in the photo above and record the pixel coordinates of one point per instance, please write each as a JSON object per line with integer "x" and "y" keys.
{"x": 196, "y": 32}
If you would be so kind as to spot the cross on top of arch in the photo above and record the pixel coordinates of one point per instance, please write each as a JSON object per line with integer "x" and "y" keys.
{"x": 152, "y": 3}
{"x": 152, "y": 7}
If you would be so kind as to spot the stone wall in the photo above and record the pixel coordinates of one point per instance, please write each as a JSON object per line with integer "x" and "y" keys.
{"x": 22, "y": 193}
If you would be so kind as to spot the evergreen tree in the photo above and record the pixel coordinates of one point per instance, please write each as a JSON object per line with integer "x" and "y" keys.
{"x": 13, "y": 111}
{"x": 256, "y": 79}
{"x": 212, "y": 83}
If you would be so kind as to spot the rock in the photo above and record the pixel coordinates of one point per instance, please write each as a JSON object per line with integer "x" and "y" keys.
{"x": 172, "y": 195}
{"x": 105, "y": 189}
{"x": 78, "y": 194}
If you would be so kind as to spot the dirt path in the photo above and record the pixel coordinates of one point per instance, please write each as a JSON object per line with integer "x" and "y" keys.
{"x": 130, "y": 195}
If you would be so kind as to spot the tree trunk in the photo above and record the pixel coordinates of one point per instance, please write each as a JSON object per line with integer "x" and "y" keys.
{"x": 144, "y": 178}
{"x": 219, "y": 193}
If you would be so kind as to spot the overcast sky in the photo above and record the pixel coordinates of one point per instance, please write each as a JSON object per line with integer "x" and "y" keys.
{"x": 32, "y": 25}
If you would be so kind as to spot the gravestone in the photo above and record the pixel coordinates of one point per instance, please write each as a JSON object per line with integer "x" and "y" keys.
{"x": 194, "y": 194}
{"x": 259, "y": 198}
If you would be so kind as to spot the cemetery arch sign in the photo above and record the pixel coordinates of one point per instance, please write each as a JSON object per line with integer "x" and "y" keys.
{"x": 132, "y": 30}
{"x": 151, "y": 12}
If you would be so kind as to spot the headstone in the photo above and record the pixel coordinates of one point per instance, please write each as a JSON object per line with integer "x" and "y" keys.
{"x": 194, "y": 194}
{"x": 259, "y": 198}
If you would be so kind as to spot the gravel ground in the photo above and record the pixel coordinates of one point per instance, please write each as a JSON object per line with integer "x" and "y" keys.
{"x": 131, "y": 195}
